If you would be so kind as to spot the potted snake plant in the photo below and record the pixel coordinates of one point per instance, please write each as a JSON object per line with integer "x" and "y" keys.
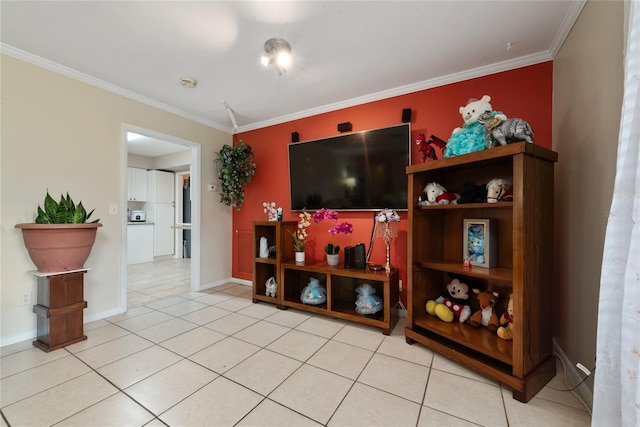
{"x": 61, "y": 237}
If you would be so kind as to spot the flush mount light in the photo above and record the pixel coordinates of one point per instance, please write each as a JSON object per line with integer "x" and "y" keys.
{"x": 277, "y": 52}
{"x": 188, "y": 82}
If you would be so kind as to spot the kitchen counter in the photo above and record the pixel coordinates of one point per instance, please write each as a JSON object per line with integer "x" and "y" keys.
{"x": 139, "y": 242}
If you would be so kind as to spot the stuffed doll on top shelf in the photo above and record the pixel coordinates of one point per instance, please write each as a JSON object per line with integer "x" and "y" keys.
{"x": 473, "y": 135}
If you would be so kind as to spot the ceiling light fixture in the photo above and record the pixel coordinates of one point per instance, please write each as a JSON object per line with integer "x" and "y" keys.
{"x": 278, "y": 53}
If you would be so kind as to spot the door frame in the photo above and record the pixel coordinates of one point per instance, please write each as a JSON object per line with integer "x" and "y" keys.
{"x": 179, "y": 212}
{"x": 196, "y": 150}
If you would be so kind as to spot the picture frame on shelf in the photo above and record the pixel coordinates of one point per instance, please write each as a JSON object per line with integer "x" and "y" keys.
{"x": 479, "y": 237}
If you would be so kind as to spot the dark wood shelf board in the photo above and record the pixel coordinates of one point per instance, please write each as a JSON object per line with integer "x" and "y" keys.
{"x": 499, "y": 205}
{"x": 493, "y": 155}
{"x": 481, "y": 339}
{"x": 497, "y": 274}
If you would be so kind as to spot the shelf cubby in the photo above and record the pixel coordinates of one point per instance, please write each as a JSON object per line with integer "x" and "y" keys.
{"x": 341, "y": 285}
{"x": 263, "y": 268}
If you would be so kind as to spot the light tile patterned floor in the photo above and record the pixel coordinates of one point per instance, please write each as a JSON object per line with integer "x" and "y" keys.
{"x": 154, "y": 281}
{"x": 214, "y": 358}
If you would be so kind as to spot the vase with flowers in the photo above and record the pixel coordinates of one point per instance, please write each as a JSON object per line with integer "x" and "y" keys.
{"x": 271, "y": 210}
{"x": 331, "y": 249}
{"x": 387, "y": 220}
{"x": 299, "y": 237}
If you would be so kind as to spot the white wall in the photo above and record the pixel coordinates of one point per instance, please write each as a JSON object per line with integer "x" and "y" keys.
{"x": 174, "y": 162}
{"x": 588, "y": 79}
{"x": 63, "y": 135}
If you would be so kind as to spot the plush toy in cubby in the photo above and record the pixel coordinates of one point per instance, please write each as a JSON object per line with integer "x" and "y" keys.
{"x": 505, "y": 331}
{"x": 452, "y": 304}
{"x": 435, "y": 194}
{"x": 473, "y": 193}
{"x": 367, "y": 302}
{"x": 499, "y": 190}
{"x": 486, "y": 314}
{"x": 314, "y": 293}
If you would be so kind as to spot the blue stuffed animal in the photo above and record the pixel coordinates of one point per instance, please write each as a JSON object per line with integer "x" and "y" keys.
{"x": 473, "y": 135}
{"x": 314, "y": 293}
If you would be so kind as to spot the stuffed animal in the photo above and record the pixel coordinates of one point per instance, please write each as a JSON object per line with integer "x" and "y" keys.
{"x": 431, "y": 149}
{"x": 367, "y": 302}
{"x": 452, "y": 304}
{"x": 436, "y": 194}
{"x": 499, "y": 190}
{"x": 486, "y": 316}
{"x": 505, "y": 131}
{"x": 473, "y": 135}
{"x": 270, "y": 286}
{"x": 421, "y": 141}
{"x": 314, "y": 293}
{"x": 472, "y": 193}
{"x": 505, "y": 331}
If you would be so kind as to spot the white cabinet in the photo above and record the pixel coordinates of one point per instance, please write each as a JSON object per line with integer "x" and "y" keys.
{"x": 137, "y": 184}
{"x": 163, "y": 242}
{"x": 139, "y": 243}
{"x": 161, "y": 208}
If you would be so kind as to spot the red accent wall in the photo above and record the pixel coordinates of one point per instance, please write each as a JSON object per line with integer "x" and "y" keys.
{"x": 525, "y": 93}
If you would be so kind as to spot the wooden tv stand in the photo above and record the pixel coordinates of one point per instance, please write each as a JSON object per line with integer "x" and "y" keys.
{"x": 341, "y": 287}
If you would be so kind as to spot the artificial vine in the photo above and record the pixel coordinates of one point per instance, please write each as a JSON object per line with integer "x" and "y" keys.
{"x": 235, "y": 169}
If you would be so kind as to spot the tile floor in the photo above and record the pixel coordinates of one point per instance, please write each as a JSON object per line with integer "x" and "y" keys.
{"x": 153, "y": 281}
{"x": 214, "y": 358}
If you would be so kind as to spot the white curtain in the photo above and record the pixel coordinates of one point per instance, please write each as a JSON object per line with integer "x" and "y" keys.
{"x": 616, "y": 400}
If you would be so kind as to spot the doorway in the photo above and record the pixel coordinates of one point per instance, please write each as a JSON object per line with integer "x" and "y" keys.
{"x": 187, "y": 161}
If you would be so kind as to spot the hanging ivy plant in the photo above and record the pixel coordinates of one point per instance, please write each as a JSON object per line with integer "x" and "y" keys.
{"x": 235, "y": 169}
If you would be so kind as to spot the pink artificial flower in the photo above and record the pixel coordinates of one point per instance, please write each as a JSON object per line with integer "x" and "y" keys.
{"x": 323, "y": 214}
{"x": 341, "y": 227}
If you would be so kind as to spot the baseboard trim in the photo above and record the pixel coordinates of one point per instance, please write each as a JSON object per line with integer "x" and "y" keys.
{"x": 217, "y": 283}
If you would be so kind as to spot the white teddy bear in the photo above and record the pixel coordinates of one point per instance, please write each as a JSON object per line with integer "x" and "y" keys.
{"x": 473, "y": 136}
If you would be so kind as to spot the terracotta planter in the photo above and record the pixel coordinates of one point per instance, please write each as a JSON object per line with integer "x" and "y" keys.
{"x": 59, "y": 247}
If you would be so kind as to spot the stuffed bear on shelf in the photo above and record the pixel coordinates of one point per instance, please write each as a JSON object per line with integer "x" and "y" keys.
{"x": 473, "y": 135}
{"x": 505, "y": 331}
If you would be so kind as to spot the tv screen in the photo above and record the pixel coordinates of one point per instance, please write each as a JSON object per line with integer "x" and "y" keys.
{"x": 356, "y": 171}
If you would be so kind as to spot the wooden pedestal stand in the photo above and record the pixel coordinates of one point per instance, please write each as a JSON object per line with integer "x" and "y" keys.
{"x": 59, "y": 309}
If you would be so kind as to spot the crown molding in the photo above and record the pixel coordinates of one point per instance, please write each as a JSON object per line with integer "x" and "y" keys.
{"x": 69, "y": 72}
{"x": 403, "y": 90}
{"x": 575, "y": 7}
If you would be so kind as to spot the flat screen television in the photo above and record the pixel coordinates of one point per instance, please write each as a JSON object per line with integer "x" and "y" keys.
{"x": 357, "y": 171}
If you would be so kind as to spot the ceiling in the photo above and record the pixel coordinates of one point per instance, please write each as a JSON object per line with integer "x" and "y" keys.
{"x": 345, "y": 52}
{"x": 147, "y": 146}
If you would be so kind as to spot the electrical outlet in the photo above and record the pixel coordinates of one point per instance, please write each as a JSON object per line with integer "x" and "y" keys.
{"x": 400, "y": 285}
{"x": 214, "y": 187}
{"x": 25, "y": 298}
